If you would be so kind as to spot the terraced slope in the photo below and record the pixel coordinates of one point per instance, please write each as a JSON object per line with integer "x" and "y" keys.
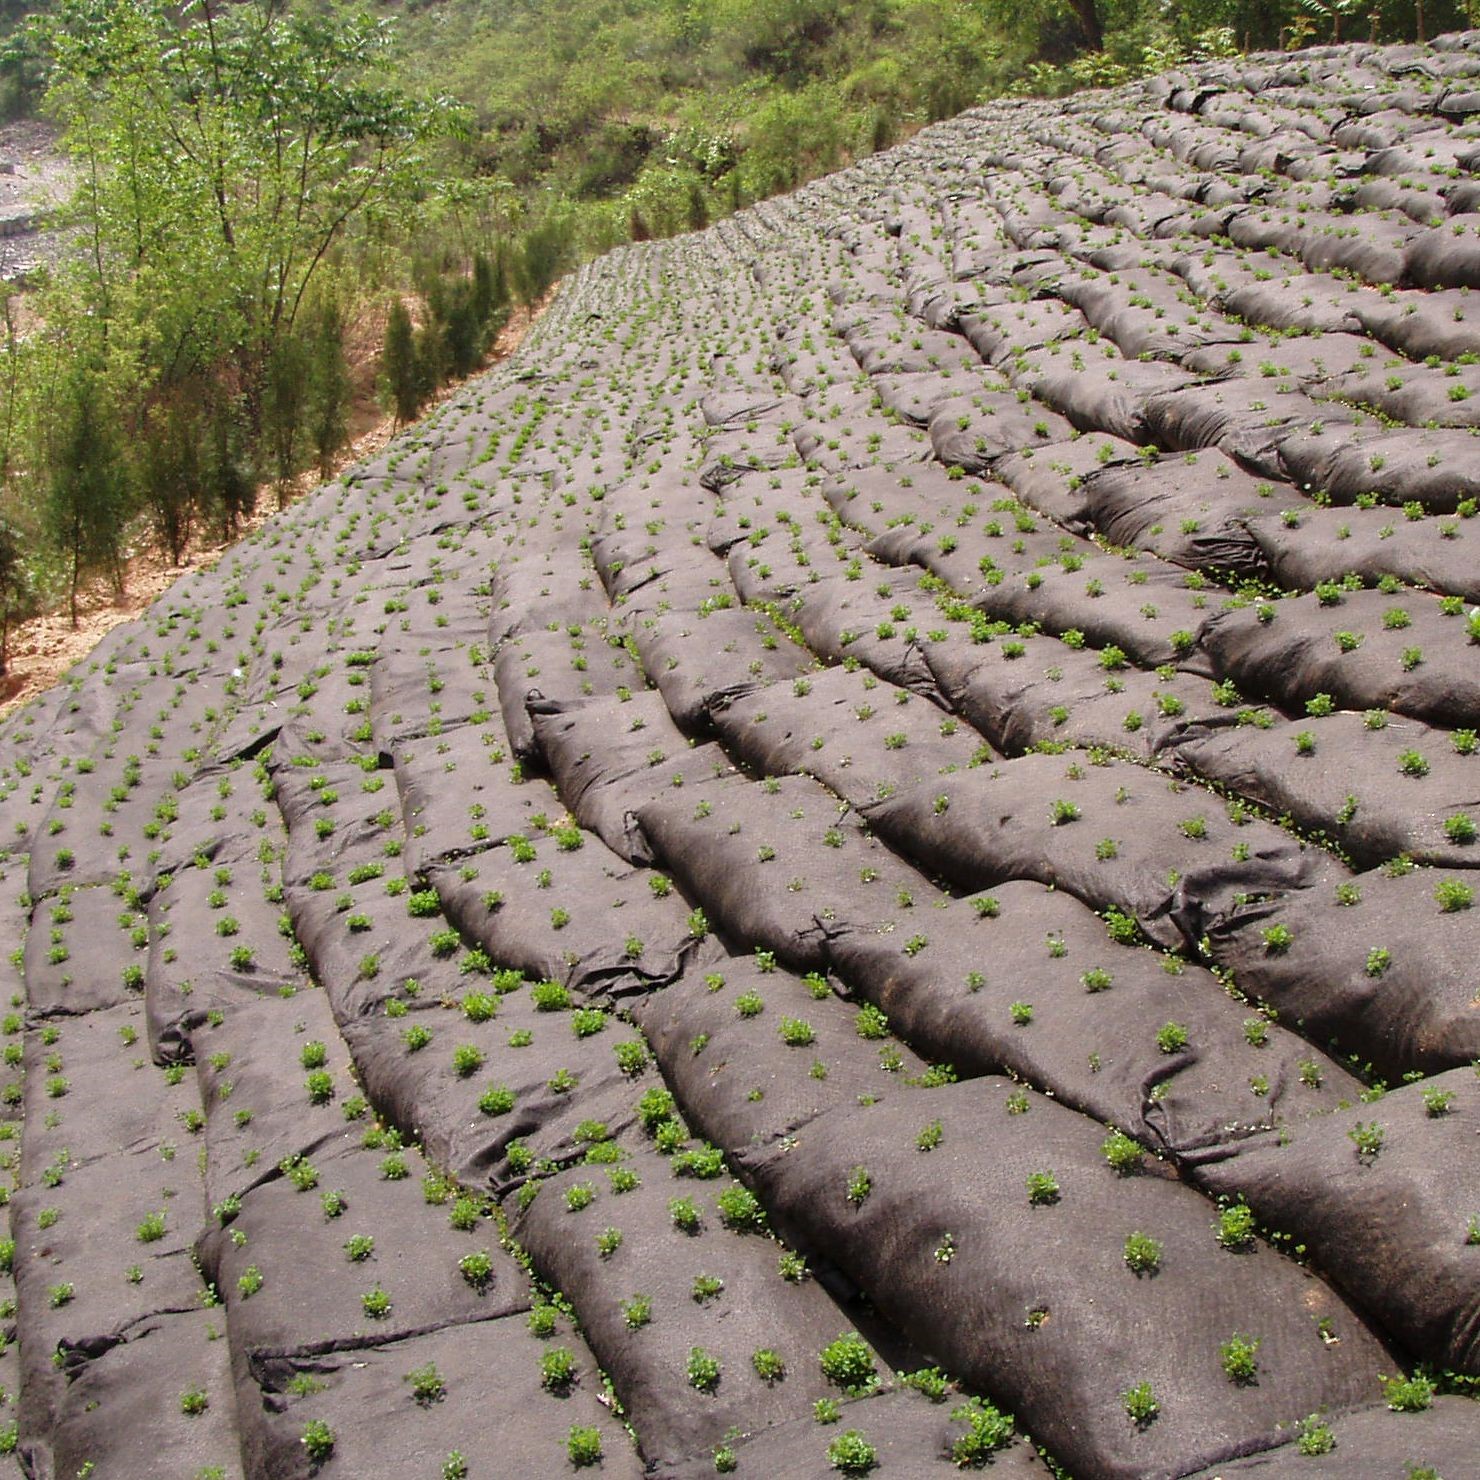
{"x": 841, "y": 851}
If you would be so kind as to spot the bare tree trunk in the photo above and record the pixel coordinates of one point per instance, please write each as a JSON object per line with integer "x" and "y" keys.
{"x": 1089, "y": 22}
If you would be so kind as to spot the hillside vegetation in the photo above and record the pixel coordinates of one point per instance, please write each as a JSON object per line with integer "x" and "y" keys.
{"x": 257, "y": 182}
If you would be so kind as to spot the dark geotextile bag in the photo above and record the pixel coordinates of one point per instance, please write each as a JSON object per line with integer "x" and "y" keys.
{"x": 997, "y": 1242}
{"x": 711, "y": 1282}
{"x": 610, "y": 756}
{"x": 767, "y": 860}
{"x": 1021, "y": 692}
{"x": 1382, "y": 1443}
{"x": 1118, "y": 836}
{"x": 696, "y": 658}
{"x": 1381, "y": 968}
{"x": 861, "y": 737}
{"x": 1382, "y": 1197}
{"x": 1330, "y": 544}
{"x": 1365, "y": 649}
{"x": 742, "y": 1077}
{"x": 1376, "y": 787}
{"x": 1027, "y": 981}
{"x": 909, "y": 1435}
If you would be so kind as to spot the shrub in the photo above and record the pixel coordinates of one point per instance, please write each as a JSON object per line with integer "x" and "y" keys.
{"x": 768, "y": 1364}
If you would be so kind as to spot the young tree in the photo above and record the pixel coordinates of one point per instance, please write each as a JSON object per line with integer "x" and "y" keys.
{"x": 86, "y": 504}
{"x": 398, "y": 365}
{"x": 16, "y": 591}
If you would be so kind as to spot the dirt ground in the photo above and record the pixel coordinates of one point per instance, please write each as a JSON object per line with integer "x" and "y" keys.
{"x": 44, "y": 648}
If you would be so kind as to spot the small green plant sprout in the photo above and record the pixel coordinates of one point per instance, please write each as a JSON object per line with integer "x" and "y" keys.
{"x": 987, "y": 1430}
{"x": 1408, "y": 1394}
{"x": 1171, "y": 1038}
{"x": 579, "y": 1196}
{"x": 1315, "y": 1436}
{"x": 1096, "y": 979}
{"x": 1236, "y": 1227}
{"x": 151, "y": 1228}
{"x": 1140, "y": 1404}
{"x": 685, "y": 1215}
{"x": 769, "y": 1365}
{"x": 1061, "y": 812}
{"x": 583, "y": 1446}
{"x": 1239, "y": 1356}
{"x": 477, "y": 1269}
{"x": 1043, "y": 1189}
{"x": 608, "y": 1241}
{"x": 740, "y": 1210}
{"x": 871, "y": 1023}
{"x": 317, "y": 1440}
{"x": 860, "y": 1184}
{"x": 848, "y": 1363}
{"x": 1142, "y": 1254}
{"x": 1277, "y": 939}
{"x": 1021, "y": 1013}
{"x": 249, "y": 1281}
{"x": 1472, "y": 1230}
{"x": 791, "y": 1266}
{"x": 1453, "y": 896}
{"x": 194, "y": 1401}
{"x": 851, "y": 1454}
{"x": 1413, "y": 763}
{"x": 1123, "y": 1154}
{"x": 703, "y": 1370}
{"x": 1379, "y": 958}
{"x": 930, "y": 1137}
{"x": 319, "y": 1086}
{"x": 1461, "y": 828}
{"x": 467, "y": 1059}
{"x": 376, "y": 1303}
{"x": 1367, "y": 1138}
{"x": 557, "y": 1370}
{"x": 637, "y": 1311}
{"x": 930, "y": 1381}
{"x": 796, "y": 1033}
{"x": 455, "y": 1466}
{"x": 1437, "y": 1101}
{"x": 427, "y": 1386}
{"x": 706, "y": 1287}
{"x": 359, "y": 1247}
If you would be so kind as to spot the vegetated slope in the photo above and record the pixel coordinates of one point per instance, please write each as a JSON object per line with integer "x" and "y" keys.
{"x": 843, "y": 846}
